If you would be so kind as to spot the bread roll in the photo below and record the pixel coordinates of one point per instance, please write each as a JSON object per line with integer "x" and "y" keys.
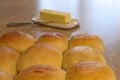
{"x": 8, "y": 60}
{"x": 41, "y": 72}
{"x": 56, "y": 39}
{"x": 40, "y": 54}
{"x": 17, "y": 40}
{"x": 5, "y": 76}
{"x": 87, "y": 40}
{"x": 81, "y": 54}
{"x": 90, "y": 71}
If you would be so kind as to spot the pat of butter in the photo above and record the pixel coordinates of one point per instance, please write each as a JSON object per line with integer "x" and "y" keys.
{"x": 55, "y": 16}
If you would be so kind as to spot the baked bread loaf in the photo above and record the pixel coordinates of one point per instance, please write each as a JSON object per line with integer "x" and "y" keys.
{"x": 17, "y": 40}
{"x": 87, "y": 40}
{"x": 41, "y": 72}
{"x": 90, "y": 71}
{"x": 40, "y": 54}
{"x": 8, "y": 60}
{"x": 5, "y": 76}
{"x": 54, "y": 38}
{"x": 81, "y": 54}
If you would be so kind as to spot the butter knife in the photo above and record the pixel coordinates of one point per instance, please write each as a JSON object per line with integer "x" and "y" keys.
{"x": 20, "y": 23}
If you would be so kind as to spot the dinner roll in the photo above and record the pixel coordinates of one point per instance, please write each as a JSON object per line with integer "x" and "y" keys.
{"x": 90, "y": 71}
{"x": 41, "y": 72}
{"x": 5, "y": 76}
{"x": 54, "y": 38}
{"x": 8, "y": 60}
{"x": 81, "y": 54}
{"x": 40, "y": 54}
{"x": 17, "y": 40}
{"x": 87, "y": 40}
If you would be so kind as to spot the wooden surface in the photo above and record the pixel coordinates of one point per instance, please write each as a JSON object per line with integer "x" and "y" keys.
{"x": 100, "y": 17}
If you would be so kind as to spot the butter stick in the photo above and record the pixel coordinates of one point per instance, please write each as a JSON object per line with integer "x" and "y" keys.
{"x": 55, "y": 16}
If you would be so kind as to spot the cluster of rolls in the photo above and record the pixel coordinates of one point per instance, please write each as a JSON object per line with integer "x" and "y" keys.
{"x": 84, "y": 59}
{"x": 24, "y": 58}
{"x": 52, "y": 57}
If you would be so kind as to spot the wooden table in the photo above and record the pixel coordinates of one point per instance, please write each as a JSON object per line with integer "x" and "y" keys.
{"x": 100, "y": 17}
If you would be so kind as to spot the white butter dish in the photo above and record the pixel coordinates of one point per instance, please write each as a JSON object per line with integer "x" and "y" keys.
{"x": 73, "y": 23}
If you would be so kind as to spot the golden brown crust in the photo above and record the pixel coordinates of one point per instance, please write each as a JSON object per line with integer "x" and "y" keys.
{"x": 17, "y": 40}
{"x": 84, "y": 35}
{"x": 90, "y": 71}
{"x": 8, "y": 60}
{"x": 87, "y": 40}
{"x": 54, "y": 34}
{"x": 41, "y": 72}
{"x": 56, "y": 39}
{"x": 5, "y": 76}
{"x": 81, "y": 54}
{"x": 40, "y": 54}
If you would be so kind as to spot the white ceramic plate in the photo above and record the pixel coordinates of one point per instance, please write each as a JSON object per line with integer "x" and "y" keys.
{"x": 70, "y": 25}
